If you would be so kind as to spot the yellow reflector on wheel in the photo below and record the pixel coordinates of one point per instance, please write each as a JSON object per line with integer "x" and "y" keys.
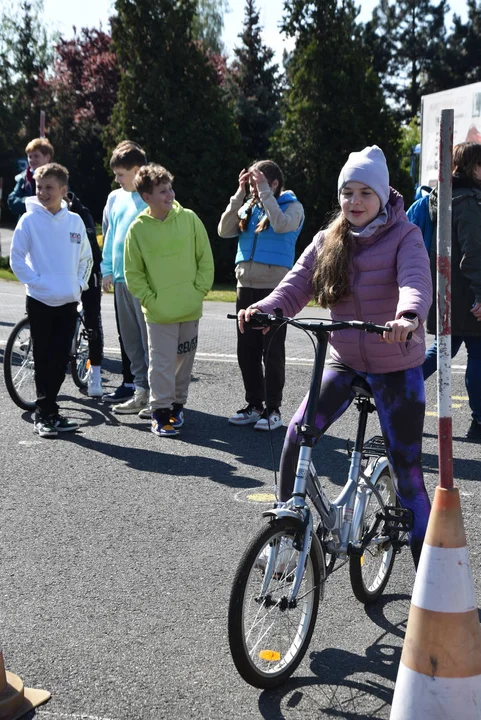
{"x": 270, "y": 655}
{"x": 87, "y": 364}
{"x": 362, "y": 560}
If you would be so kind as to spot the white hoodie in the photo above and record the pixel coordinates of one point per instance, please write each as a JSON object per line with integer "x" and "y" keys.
{"x": 51, "y": 254}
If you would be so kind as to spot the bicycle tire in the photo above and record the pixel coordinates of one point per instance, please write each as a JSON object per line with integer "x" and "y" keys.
{"x": 79, "y": 359}
{"x": 18, "y": 366}
{"x": 285, "y": 632}
{"x": 370, "y": 573}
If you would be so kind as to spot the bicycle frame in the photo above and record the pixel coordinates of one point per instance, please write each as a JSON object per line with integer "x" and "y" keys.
{"x": 343, "y": 516}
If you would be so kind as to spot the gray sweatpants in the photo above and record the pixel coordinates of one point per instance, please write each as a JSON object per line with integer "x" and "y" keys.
{"x": 134, "y": 333}
{"x": 171, "y": 357}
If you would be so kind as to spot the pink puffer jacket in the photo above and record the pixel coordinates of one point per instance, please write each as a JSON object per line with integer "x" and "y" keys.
{"x": 389, "y": 274}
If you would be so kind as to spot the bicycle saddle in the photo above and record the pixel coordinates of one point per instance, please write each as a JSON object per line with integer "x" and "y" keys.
{"x": 361, "y": 388}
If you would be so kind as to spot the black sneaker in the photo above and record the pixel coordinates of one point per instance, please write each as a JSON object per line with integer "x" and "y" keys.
{"x": 119, "y": 395}
{"x": 246, "y": 416}
{"x": 45, "y": 427}
{"x": 474, "y": 432}
{"x": 63, "y": 424}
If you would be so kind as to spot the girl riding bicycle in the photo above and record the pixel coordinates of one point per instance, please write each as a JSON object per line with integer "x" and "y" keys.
{"x": 370, "y": 263}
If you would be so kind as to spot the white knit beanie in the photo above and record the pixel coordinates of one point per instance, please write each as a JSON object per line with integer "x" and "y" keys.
{"x": 370, "y": 168}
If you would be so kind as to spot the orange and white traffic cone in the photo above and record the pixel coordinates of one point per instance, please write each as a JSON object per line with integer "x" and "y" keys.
{"x": 439, "y": 676}
{"x": 15, "y": 699}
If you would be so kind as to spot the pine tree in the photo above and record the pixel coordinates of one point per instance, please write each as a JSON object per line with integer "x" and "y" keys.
{"x": 170, "y": 102}
{"x": 333, "y": 106}
{"x": 460, "y": 62}
{"x": 254, "y": 88}
{"x": 407, "y": 38}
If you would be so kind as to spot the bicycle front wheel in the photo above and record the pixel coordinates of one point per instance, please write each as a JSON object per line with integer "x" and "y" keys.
{"x": 18, "y": 367}
{"x": 268, "y": 633}
{"x": 79, "y": 359}
{"x": 370, "y": 572}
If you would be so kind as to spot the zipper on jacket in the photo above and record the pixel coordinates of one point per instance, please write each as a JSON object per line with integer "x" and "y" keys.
{"x": 358, "y": 313}
{"x": 253, "y": 247}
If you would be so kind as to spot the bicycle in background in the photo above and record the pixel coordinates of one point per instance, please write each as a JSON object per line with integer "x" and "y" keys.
{"x": 18, "y": 367}
{"x": 281, "y": 577}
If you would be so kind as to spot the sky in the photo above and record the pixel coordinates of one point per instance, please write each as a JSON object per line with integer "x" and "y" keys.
{"x": 63, "y": 14}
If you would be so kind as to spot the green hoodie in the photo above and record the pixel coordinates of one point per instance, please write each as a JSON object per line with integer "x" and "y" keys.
{"x": 168, "y": 265}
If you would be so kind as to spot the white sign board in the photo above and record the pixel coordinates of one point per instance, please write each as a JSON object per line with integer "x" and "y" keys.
{"x": 466, "y": 103}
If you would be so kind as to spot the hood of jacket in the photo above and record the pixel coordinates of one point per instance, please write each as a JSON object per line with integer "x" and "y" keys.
{"x": 177, "y": 209}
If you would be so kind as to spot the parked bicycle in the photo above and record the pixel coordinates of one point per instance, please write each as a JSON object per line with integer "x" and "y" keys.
{"x": 18, "y": 367}
{"x": 282, "y": 574}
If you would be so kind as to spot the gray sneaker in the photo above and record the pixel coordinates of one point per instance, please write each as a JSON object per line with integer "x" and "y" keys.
{"x": 135, "y": 404}
{"x": 246, "y": 416}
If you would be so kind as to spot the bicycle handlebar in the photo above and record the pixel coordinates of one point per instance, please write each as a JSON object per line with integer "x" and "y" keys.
{"x": 268, "y": 320}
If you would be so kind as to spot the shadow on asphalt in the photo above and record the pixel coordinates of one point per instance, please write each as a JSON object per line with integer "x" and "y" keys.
{"x": 334, "y": 670}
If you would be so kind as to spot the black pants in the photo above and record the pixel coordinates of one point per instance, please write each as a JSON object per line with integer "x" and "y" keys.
{"x": 52, "y": 330}
{"x": 257, "y": 352}
{"x": 91, "y": 299}
{"x": 127, "y": 376}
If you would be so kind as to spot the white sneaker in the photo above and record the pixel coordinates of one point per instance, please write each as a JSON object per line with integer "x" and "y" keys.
{"x": 94, "y": 386}
{"x": 286, "y": 558}
{"x": 135, "y": 404}
{"x": 269, "y": 422}
{"x": 246, "y": 416}
{"x": 146, "y": 413}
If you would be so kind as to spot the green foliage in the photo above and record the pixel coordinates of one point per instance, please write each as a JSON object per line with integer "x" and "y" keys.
{"x": 170, "y": 102}
{"x": 253, "y": 87}
{"x": 208, "y": 23}
{"x": 331, "y": 108}
{"x": 407, "y": 40}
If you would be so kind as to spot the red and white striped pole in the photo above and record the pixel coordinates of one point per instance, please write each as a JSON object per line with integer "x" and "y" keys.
{"x": 439, "y": 676}
{"x": 443, "y": 328}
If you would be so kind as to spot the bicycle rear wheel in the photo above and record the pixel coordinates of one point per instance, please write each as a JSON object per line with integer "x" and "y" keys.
{"x": 371, "y": 571}
{"x": 268, "y": 635}
{"x": 79, "y": 359}
{"x": 18, "y": 367}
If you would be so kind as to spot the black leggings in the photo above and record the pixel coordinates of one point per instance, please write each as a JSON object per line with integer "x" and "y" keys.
{"x": 93, "y": 319}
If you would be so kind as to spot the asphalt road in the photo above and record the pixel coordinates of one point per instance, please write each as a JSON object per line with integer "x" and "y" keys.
{"x": 119, "y": 549}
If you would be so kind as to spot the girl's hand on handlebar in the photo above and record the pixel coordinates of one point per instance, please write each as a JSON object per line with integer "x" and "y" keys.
{"x": 400, "y": 329}
{"x": 244, "y": 316}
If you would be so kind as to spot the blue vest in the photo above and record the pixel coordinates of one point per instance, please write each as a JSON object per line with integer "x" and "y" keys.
{"x": 268, "y": 247}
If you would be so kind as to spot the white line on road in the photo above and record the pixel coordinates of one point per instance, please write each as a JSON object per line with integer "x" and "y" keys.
{"x": 71, "y": 716}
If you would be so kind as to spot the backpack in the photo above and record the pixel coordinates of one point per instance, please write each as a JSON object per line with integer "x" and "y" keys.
{"x": 418, "y": 214}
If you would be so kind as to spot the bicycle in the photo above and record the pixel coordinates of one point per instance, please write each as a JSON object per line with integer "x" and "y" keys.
{"x": 18, "y": 366}
{"x": 281, "y": 577}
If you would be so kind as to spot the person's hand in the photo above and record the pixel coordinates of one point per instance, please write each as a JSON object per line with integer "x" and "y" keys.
{"x": 107, "y": 283}
{"x": 259, "y": 180}
{"x": 244, "y": 316}
{"x": 400, "y": 329}
{"x": 244, "y": 177}
{"x": 476, "y": 310}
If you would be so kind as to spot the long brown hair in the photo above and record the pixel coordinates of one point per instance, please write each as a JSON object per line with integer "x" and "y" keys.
{"x": 331, "y": 276}
{"x": 272, "y": 172}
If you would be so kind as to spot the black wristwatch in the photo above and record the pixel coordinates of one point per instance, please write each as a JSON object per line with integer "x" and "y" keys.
{"x": 409, "y": 316}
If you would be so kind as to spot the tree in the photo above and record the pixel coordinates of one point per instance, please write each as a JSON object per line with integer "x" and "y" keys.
{"x": 253, "y": 87}
{"x": 331, "y": 107}
{"x": 460, "y": 61}
{"x": 208, "y": 24}
{"x": 407, "y": 40}
{"x": 79, "y": 98}
{"x": 170, "y": 102}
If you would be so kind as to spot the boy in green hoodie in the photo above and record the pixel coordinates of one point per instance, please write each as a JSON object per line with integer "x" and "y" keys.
{"x": 170, "y": 268}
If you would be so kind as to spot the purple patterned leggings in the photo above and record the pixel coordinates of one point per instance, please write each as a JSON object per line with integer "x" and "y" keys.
{"x": 400, "y": 402}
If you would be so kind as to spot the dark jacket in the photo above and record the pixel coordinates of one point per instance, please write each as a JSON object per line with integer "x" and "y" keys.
{"x": 465, "y": 257}
{"x": 76, "y": 206}
{"x": 22, "y": 189}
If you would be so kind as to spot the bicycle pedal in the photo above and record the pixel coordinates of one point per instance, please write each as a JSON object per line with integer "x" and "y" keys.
{"x": 398, "y": 520}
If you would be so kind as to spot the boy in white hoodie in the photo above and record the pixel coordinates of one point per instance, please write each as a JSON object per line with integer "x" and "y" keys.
{"x": 51, "y": 255}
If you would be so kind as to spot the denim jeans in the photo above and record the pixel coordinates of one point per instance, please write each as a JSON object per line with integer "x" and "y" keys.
{"x": 473, "y": 368}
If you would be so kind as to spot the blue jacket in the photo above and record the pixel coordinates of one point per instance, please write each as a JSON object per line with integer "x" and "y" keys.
{"x": 16, "y": 199}
{"x": 418, "y": 214}
{"x": 268, "y": 247}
